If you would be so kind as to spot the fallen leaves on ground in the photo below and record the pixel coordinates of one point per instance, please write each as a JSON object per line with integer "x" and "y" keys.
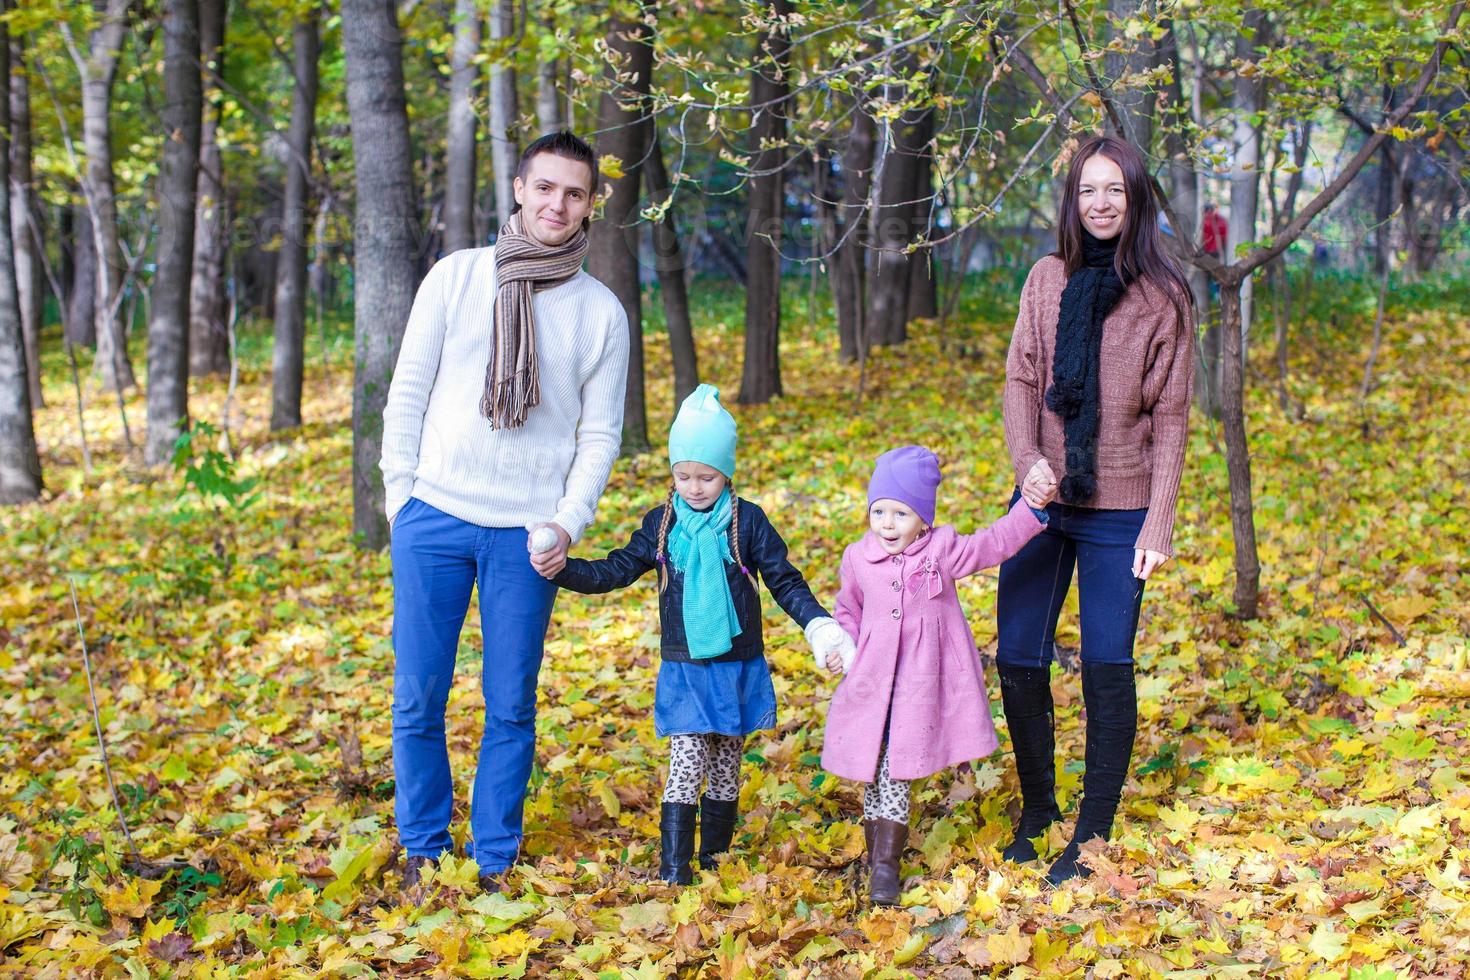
{"x": 1298, "y": 806}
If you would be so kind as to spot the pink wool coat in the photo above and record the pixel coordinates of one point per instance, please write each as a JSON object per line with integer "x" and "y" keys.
{"x": 917, "y": 670}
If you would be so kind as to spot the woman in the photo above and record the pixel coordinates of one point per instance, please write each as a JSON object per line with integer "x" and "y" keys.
{"x": 1098, "y": 384}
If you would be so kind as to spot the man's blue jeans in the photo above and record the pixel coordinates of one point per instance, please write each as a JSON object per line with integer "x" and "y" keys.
{"x": 1034, "y": 583}
{"x": 437, "y": 560}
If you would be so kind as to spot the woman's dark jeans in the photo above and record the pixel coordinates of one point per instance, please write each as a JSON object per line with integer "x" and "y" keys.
{"x": 1034, "y": 583}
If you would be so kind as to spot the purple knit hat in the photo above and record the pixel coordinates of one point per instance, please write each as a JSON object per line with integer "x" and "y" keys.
{"x": 910, "y": 475}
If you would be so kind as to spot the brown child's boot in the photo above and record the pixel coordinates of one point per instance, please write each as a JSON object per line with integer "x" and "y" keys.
{"x": 889, "y": 840}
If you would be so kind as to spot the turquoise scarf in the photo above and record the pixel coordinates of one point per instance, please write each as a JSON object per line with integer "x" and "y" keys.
{"x": 699, "y": 544}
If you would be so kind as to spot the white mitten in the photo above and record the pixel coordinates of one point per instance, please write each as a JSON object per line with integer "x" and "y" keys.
{"x": 825, "y": 636}
{"x": 847, "y": 650}
{"x": 542, "y": 539}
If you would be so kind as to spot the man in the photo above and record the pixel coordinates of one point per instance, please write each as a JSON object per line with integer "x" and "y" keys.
{"x": 504, "y": 416}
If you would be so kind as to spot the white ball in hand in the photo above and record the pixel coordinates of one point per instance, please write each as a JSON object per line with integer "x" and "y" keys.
{"x": 542, "y": 539}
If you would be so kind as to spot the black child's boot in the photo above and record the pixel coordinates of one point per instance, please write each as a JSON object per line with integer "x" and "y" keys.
{"x": 676, "y": 842}
{"x": 1111, "y": 699}
{"x": 1025, "y": 694}
{"x": 716, "y": 827}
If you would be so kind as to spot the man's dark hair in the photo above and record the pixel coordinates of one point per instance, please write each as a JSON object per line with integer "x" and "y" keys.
{"x": 563, "y": 144}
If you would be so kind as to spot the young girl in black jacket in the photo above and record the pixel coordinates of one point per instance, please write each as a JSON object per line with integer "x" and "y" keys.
{"x": 714, "y": 686}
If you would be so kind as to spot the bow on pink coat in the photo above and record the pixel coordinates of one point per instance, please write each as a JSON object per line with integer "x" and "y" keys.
{"x": 928, "y": 570}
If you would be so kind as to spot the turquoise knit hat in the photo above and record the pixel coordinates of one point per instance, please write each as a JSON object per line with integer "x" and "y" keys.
{"x": 703, "y": 432}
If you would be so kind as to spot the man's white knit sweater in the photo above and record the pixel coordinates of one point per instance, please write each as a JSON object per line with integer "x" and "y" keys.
{"x": 439, "y": 448}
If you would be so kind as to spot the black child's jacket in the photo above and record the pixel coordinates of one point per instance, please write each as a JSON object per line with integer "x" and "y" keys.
{"x": 763, "y": 552}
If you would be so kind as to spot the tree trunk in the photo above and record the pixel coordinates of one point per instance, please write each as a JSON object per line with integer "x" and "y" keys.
{"x": 98, "y": 72}
{"x": 923, "y": 301}
{"x": 671, "y": 265}
{"x": 1237, "y": 454}
{"x": 504, "y": 152}
{"x": 1248, "y": 101}
{"x": 288, "y": 364}
{"x": 386, "y": 240}
{"x": 850, "y": 288}
{"x": 1126, "y": 56}
{"x": 897, "y": 221}
{"x": 81, "y": 303}
{"x": 1383, "y": 211}
{"x": 852, "y": 256}
{"x": 1207, "y": 381}
{"x": 25, "y": 218}
{"x": 761, "y": 376}
{"x": 209, "y": 341}
{"x": 1283, "y": 312}
{"x": 549, "y": 118}
{"x": 20, "y": 463}
{"x": 614, "y": 240}
{"x": 178, "y": 175}
{"x": 1183, "y": 186}
{"x": 459, "y": 181}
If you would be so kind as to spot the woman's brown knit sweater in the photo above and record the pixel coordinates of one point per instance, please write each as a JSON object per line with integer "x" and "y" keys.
{"x": 1146, "y": 380}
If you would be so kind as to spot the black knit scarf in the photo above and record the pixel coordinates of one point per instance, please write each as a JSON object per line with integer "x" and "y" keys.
{"x": 1090, "y": 295}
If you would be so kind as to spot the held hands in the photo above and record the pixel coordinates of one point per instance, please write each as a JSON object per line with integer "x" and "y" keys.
{"x": 1040, "y": 486}
{"x": 548, "y": 545}
{"x": 831, "y": 647}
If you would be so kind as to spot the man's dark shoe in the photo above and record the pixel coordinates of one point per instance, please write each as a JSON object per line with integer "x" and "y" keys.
{"x": 414, "y": 868}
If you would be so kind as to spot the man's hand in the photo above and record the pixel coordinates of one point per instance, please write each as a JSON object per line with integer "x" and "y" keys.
{"x": 549, "y": 563}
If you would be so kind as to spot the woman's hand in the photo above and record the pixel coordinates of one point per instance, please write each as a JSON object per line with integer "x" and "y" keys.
{"x": 1040, "y": 486}
{"x": 1145, "y": 562}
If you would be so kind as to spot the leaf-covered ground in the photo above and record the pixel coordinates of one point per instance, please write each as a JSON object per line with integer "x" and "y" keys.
{"x": 1301, "y": 791}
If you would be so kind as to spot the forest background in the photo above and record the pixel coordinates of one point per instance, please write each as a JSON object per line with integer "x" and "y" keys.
{"x": 219, "y": 211}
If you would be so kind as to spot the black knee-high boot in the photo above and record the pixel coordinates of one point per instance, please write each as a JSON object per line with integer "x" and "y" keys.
{"x": 1111, "y": 699}
{"x": 716, "y": 827}
{"x": 1025, "y": 693}
{"x": 676, "y": 842}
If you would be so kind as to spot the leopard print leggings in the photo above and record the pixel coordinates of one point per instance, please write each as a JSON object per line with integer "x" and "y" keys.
{"x": 695, "y": 758}
{"x": 886, "y": 798}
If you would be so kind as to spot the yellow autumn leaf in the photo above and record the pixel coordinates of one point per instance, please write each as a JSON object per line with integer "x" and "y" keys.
{"x": 1009, "y": 946}
{"x": 1327, "y": 943}
{"x": 1045, "y": 951}
{"x": 910, "y": 949}
{"x": 1179, "y": 818}
{"x": 1405, "y": 609}
{"x": 609, "y": 800}
{"x": 132, "y": 898}
{"x": 610, "y": 166}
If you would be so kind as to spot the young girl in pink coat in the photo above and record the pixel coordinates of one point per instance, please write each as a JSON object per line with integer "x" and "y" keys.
{"x": 913, "y": 699}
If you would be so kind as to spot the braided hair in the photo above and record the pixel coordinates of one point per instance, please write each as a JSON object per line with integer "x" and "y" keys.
{"x": 663, "y": 536}
{"x": 660, "y": 554}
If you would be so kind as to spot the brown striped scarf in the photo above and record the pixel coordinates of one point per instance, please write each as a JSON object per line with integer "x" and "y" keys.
{"x": 523, "y": 266}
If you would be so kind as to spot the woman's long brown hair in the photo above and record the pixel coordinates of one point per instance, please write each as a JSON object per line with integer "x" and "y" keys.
{"x": 1141, "y": 253}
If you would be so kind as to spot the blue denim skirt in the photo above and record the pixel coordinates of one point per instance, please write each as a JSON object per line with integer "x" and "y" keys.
{"x": 732, "y": 697}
